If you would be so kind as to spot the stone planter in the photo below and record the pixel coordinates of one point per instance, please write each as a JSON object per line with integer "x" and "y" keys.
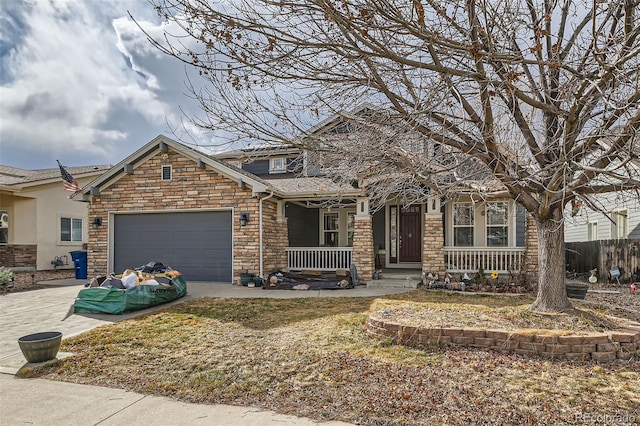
{"x": 576, "y": 290}
{"x": 40, "y": 347}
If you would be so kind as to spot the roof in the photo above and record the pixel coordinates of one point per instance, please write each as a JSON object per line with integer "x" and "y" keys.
{"x": 301, "y": 187}
{"x": 157, "y": 145}
{"x": 259, "y": 151}
{"x": 10, "y": 176}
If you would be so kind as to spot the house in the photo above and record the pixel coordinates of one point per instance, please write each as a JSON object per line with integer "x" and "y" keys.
{"x": 606, "y": 238}
{"x": 620, "y": 219}
{"x": 40, "y": 223}
{"x": 258, "y": 210}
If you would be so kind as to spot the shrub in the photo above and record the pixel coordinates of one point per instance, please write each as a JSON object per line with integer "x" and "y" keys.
{"x": 6, "y": 277}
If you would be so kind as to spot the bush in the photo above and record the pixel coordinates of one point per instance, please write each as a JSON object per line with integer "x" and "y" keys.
{"x": 6, "y": 277}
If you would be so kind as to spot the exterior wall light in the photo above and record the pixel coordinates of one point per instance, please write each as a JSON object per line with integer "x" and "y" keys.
{"x": 244, "y": 218}
{"x": 97, "y": 221}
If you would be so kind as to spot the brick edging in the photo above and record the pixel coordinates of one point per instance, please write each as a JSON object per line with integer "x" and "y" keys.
{"x": 601, "y": 347}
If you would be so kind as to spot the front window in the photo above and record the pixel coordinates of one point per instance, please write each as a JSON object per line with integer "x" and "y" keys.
{"x": 497, "y": 224}
{"x": 463, "y": 224}
{"x": 619, "y": 225}
{"x": 331, "y": 229}
{"x": 70, "y": 229}
{"x": 4, "y": 227}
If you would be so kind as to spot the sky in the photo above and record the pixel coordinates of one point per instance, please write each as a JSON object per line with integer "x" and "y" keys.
{"x": 80, "y": 83}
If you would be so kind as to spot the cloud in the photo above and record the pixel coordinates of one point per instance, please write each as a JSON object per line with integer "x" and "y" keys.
{"x": 80, "y": 78}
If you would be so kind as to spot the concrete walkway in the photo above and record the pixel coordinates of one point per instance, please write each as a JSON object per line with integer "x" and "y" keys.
{"x": 42, "y": 402}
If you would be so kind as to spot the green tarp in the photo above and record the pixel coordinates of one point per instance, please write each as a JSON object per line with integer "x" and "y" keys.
{"x": 111, "y": 300}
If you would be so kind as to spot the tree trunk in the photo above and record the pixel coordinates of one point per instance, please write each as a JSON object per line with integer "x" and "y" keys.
{"x": 552, "y": 296}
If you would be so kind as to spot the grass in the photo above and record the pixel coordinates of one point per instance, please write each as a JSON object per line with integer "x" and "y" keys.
{"x": 309, "y": 357}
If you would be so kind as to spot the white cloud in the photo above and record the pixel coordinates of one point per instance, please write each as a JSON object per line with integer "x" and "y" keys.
{"x": 79, "y": 80}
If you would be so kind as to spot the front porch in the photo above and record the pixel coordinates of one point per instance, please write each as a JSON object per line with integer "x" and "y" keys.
{"x": 423, "y": 238}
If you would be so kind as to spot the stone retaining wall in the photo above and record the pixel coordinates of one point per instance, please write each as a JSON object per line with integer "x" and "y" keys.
{"x": 601, "y": 347}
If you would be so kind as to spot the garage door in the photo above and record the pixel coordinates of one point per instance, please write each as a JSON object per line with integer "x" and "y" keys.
{"x": 198, "y": 244}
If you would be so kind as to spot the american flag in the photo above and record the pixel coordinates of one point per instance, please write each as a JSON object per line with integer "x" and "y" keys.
{"x": 70, "y": 183}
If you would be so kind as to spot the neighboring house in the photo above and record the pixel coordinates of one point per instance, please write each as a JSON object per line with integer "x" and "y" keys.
{"x": 620, "y": 219}
{"x": 40, "y": 224}
{"x": 258, "y": 210}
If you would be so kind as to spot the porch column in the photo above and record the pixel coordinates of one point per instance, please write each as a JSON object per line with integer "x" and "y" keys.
{"x": 363, "y": 253}
{"x": 433, "y": 238}
{"x": 282, "y": 238}
{"x": 530, "y": 265}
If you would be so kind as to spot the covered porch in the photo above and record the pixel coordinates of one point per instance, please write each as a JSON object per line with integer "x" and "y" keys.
{"x": 329, "y": 239}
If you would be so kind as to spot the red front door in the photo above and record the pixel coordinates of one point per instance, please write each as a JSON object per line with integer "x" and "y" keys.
{"x": 410, "y": 243}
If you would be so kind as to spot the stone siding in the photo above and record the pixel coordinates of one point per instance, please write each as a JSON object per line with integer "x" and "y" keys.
{"x": 600, "y": 347}
{"x": 363, "y": 250}
{"x": 531, "y": 266}
{"x": 433, "y": 244}
{"x": 18, "y": 255}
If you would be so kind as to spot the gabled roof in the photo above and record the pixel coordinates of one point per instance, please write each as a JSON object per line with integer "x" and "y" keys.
{"x": 161, "y": 143}
{"x": 21, "y": 178}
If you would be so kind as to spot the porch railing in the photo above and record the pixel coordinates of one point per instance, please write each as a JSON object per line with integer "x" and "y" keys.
{"x": 319, "y": 258}
{"x": 470, "y": 259}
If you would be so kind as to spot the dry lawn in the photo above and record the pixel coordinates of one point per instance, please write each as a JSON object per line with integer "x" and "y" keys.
{"x": 310, "y": 357}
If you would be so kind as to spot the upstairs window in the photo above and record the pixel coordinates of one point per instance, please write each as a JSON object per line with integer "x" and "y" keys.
{"x": 277, "y": 165}
{"x": 70, "y": 229}
{"x": 166, "y": 173}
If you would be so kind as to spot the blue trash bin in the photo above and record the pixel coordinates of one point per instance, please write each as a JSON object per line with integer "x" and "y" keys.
{"x": 80, "y": 262}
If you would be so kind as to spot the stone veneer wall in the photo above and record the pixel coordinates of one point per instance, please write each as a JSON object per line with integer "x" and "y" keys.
{"x": 191, "y": 188}
{"x": 531, "y": 266}
{"x": 363, "y": 250}
{"x": 275, "y": 239}
{"x": 600, "y": 347}
{"x": 18, "y": 255}
{"x": 433, "y": 244}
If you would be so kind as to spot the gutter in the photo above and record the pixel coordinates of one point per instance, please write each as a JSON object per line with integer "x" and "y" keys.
{"x": 260, "y": 249}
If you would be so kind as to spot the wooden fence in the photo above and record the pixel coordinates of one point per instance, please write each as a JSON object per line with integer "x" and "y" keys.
{"x": 605, "y": 255}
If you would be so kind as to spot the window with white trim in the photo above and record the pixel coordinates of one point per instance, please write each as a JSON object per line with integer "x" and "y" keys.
{"x": 166, "y": 173}
{"x": 330, "y": 229}
{"x": 619, "y": 224}
{"x": 277, "y": 165}
{"x": 463, "y": 224}
{"x": 4, "y": 227}
{"x": 70, "y": 229}
{"x": 497, "y": 224}
{"x": 592, "y": 231}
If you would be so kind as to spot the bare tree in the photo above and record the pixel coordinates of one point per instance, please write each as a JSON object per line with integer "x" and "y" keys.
{"x": 540, "y": 96}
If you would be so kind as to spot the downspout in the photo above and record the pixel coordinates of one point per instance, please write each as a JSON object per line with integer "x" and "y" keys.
{"x": 260, "y": 249}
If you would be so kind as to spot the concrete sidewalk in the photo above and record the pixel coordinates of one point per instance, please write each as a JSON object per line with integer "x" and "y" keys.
{"x": 43, "y": 402}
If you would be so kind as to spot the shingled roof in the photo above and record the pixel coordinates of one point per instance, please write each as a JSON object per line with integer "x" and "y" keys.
{"x": 15, "y": 176}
